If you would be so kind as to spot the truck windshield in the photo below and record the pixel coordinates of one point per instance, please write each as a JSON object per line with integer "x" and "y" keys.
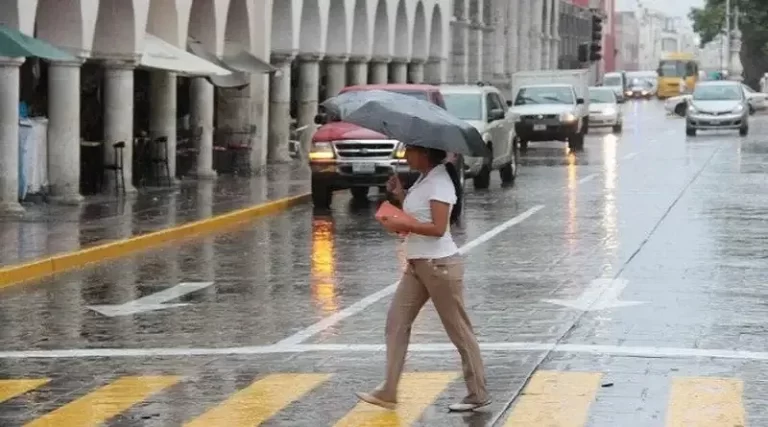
{"x": 612, "y": 81}
{"x": 466, "y": 106}
{"x": 412, "y": 93}
{"x": 545, "y": 95}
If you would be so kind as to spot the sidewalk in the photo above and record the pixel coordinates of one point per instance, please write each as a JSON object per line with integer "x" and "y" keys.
{"x": 47, "y": 230}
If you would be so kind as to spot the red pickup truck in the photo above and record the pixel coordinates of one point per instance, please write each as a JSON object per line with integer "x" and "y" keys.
{"x": 344, "y": 155}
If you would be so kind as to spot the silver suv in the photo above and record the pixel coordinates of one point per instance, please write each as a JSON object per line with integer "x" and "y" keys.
{"x": 484, "y": 108}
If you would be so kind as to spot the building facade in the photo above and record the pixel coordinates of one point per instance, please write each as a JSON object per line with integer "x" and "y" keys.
{"x": 627, "y": 39}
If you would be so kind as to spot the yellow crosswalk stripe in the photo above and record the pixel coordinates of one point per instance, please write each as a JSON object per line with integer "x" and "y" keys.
{"x": 12, "y": 388}
{"x": 705, "y": 402}
{"x": 99, "y": 406}
{"x": 554, "y": 398}
{"x": 417, "y": 391}
{"x": 260, "y": 401}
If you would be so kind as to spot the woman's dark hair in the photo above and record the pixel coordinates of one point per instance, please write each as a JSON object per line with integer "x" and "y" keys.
{"x": 435, "y": 158}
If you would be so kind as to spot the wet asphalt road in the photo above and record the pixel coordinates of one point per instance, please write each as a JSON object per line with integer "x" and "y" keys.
{"x": 620, "y": 286}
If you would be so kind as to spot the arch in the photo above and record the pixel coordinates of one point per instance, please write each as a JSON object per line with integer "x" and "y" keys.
{"x": 436, "y": 33}
{"x": 61, "y": 23}
{"x": 310, "y": 36}
{"x": 401, "y": 31}
{"x": 381, "y": 30}
{"x": 474, "y": 11}
{"x": 336, "y": 41}
{"x": 238, "y": 29}
{"x": 163, "y": 21}
{"x": 282, "y": 26}
{"x": 115, "y": 28}
{"x": 459, "y": 9}
{"x": 487, "y": 15}
{"x": 360, "y": 31}
{"x": 420, "y": 47}
{"x": 202, "y": 24}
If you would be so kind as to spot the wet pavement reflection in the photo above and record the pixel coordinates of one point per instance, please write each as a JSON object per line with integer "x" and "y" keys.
{"x": 618, "y": 286}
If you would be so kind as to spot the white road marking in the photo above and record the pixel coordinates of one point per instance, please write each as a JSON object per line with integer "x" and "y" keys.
{"x": 601, "y": 294}
{"x": 588, "y": 178}
{"x": 368, "y": 301}
{"x": 630, "y": 156}
{"x": 156, "y": 301}
{"x": 511, "y": 347}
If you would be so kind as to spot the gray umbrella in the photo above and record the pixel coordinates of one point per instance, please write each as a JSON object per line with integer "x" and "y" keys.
{"x": 408, "y": 120}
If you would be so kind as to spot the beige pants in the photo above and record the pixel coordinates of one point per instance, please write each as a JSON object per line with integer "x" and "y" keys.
{"x": 442, "y": 280}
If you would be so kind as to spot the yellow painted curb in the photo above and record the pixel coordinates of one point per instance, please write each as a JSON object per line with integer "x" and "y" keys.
{"x": 33, "y": 270}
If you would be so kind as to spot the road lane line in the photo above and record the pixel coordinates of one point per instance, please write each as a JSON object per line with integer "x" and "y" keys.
{"x": 417, "y": 391}
{"x": 12, "y": 388}
{"x": 630, "y": 156}
{"x": 705, "y": 402}
{"x": 588, "y": 178}
{"x": 109, "y": 401}
{"x": 553, "y": 398}
{"x": 260, "y": 401}
{"x": 368, "y": 301}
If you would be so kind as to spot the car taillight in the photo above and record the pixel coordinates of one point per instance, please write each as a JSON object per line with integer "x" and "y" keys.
{"x": 321, "y": 151}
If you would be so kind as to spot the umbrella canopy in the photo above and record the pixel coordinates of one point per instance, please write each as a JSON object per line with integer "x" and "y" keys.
{"x": 408, "y": 120}
{"x": 14, "y": 43}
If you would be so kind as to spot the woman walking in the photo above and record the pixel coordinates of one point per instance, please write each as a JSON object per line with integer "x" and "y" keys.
{"x": 435, "y": 270}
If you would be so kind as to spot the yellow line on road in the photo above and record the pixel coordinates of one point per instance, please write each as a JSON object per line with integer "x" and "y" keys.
{"x": 99, "y": 406}
{"x": 15, "y": 274}
{"x": 260, "y": 401}
{"x": 554, "y": 398}
{"x": 12, "y": 388}
{"x": 705, "y": 402}
{"x": 417, "y": 391}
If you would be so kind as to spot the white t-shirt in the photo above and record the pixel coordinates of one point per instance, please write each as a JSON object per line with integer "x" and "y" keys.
{"x": 436, "y": 185}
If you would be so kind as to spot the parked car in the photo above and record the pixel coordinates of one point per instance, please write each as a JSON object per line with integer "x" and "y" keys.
{"x": 484, "y": 108}
{"x": 604, "y": 109}
{"x": 717, "y": 105}
{"x": 345, "y": 156}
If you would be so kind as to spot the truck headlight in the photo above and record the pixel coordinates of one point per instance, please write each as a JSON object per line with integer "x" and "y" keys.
{"x": 400, "y": 151}
{"x": 567, "y": 117}
{"x": 321, "y": 151}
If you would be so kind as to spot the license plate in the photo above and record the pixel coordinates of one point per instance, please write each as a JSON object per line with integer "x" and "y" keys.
{"x": 363, "y": 167}
{"x": 539, "y": 127}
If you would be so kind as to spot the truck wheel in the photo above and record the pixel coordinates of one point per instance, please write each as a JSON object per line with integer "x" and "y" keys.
{"x": 460, "y": 199}
{"x": 576, "y": 142}
{"x": 690, "y": 131}
{"x": 680, "y": 109}
{"x": 322, "y": 195}
{"x": 483, "y": 178}
{"x": 617, "y": 128}
{"x": 359, "y": 193}
{"x": 744, "y": 130}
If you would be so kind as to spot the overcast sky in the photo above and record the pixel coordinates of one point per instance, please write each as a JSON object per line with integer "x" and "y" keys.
{"x": 672, "y": 7}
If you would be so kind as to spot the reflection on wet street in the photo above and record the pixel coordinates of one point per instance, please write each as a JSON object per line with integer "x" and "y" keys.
{"x": 623, "y": 285}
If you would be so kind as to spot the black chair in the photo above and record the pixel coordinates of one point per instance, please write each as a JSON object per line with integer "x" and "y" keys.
{"x": 160, "y": 159}
{"x": 117, "y": 167}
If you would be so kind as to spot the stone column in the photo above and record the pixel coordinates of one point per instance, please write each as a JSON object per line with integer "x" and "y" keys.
{"x": 475, "y": 53}
{"x": 546, "y": 37}
{"x": 64, "y": 131}
{"x": 280, "y": 109}
{"x": 398, "y": 72}
{"x": 309, "y": 81}
{"x": 434, "y": 70}
{"x": 379, "y": 70}
{"x": 9, "y": 137}
{"x": 524, "y": 35}
{"x": 555, "y": 52}
{"x": 118, "y": 119}
{"x": 358, "y": 70}
{"x": 416, "y": 71}
{"x": 459, "y": 50}
{"x": 512, "y": 50}
{"x": 536, "y": 28}
{"x": 499, "y": 41}
{"x": 162, "y": 113}
{"x": 201, "y": 115}
{"x": 336, "y": 74}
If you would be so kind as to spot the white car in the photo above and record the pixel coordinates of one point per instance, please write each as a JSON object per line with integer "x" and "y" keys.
{"x": 758, "y": 101}
{"x": 484, "y": 108}
{"x": 604, "y": 109}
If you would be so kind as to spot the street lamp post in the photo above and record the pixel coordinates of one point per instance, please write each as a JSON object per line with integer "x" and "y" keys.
{"x": 735, "y": 67}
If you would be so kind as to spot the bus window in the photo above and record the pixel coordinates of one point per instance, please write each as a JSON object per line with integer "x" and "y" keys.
{"x": 691, "y": 69}
{"x": 671, "y": 68}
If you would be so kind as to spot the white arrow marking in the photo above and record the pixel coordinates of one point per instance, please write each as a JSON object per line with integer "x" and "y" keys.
{"x": 599, "y": 295}
{"x": 151, "y": 302}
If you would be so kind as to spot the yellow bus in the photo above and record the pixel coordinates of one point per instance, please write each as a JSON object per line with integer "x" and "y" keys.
{"x": 672, "y": 68}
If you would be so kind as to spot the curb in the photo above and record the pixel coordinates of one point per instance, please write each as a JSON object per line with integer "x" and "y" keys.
{"x": 15, "y": 274}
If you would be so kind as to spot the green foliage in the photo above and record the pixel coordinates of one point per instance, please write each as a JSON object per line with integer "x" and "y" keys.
{"x": 709, "y": 21}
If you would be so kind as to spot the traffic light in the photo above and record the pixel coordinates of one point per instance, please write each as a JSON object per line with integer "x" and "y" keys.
{"x": 596, "y": 47}
{"x": 583, "y": 55}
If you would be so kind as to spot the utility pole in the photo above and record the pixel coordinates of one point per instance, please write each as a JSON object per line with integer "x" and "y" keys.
{"x": 727, "y": 35}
